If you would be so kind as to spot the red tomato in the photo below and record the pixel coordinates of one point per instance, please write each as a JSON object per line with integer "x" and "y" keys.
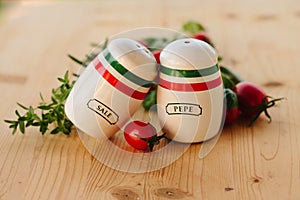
{"x": 253, "y": 101}
{"x": 202, "y": 36}
{"x": 156, "y": 55}
{"x": 232, "y": 111}
{"x": 250, "y": 98}
{"x": 138, "y": 134}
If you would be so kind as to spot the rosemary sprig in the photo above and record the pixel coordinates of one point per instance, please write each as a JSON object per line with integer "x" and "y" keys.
{"x": 52, "y": 112}
{"x": 46, "y": 113}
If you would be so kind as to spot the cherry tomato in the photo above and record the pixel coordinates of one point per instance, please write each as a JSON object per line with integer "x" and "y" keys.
{"x": 156, "y": 54}
{"x": 202, "y": 36}
{"x": 232, "y": 111}
{"x": 253, "y": 100}
{"x": 138, "y": 134}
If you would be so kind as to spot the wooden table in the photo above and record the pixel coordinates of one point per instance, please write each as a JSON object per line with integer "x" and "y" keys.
{"x": 258, "y": 39}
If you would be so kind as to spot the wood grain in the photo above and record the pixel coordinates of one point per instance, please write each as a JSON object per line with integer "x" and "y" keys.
{"x": 257, "y": 40}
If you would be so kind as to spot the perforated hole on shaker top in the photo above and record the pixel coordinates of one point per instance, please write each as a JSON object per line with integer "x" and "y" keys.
{"x": 146, "y": 51}
{"x": 187, "y": 42}
{"x": 141, "y": 47}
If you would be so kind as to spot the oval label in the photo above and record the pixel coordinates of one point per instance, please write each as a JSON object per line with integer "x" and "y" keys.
{"x": 183, "y": 109}
{"x": 103, "y": 110}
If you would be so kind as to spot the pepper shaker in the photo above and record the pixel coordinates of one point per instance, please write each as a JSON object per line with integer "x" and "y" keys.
{"x": 190, "y": 91}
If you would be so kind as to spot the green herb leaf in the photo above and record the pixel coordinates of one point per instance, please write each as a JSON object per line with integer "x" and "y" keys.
{"x": 9, "y": 121}
{"x": 61, "y": 80}
{"x": 193, "y": 27}
{"x": 47, "y": 112}
{"x": 75, "y": 59}
{"x": 220, "y": 58}
{"x": 45, "y": 107}
{"x": 52, "y": 112}
{"x": 22, "y": 126}
{"x": 22, "y": 106}
{"x": 235, "y": 78}
{"x": 55, "y": 131}
{"x": 231, "y": 99}
{"x": 150, "y": 99}
{"x": 227, "y": 82}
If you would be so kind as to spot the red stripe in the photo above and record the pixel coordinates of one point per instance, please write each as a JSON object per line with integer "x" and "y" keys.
{"x": 190, "y": 87}
{"x": 116, "y": 83}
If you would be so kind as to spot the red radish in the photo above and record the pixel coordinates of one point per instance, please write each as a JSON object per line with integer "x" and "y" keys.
{"x": 231, "y": 115}
{"x": 202, "y": 36}
{"x": 232, "y": 111}
{"x": 144, "y": 43}
{"x": 141, "y": 135}
{"x": 253, "y": 100}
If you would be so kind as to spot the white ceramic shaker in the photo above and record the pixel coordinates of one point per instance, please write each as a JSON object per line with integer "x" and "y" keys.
{"x": 111, "y": 88}
{"x": 190, "y": 91}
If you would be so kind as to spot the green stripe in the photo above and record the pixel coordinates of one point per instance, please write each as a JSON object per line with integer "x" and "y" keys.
{"x": 189, "y": 73}
{"x": 124, "y": 72}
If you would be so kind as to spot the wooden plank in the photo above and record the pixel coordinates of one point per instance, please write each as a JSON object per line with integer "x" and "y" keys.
{"x": 259, "y": 41}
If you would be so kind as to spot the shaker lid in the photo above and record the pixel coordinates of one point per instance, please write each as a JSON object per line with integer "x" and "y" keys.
{"x": 188, "y": 54}
{"x": 135, "y": 59}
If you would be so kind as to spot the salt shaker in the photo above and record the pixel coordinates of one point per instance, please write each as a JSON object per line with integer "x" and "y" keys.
{"x": 111, "y": 88}
{"x": 190, "y": 91}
